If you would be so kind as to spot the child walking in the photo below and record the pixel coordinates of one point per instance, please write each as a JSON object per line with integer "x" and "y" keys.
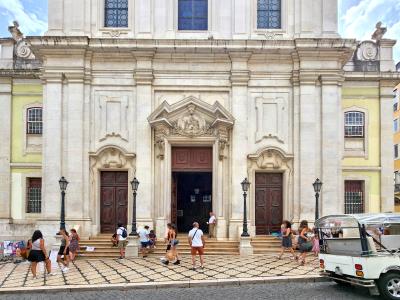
{"x": 315, "y": 242}
{"x": 287, "y": 239}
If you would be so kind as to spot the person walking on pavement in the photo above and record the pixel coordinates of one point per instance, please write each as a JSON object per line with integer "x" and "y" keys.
{"x": 63, "y": 253}
{"x": 144, "y": 240}
{"x": 122, "y": 234}
{"x": 197, "y": 244}
{"x": 38, "y": 254}
{"x": 212, "y": 222}
{"x": 287, "y": 239}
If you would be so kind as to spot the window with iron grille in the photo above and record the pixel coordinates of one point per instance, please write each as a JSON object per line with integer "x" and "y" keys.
{"x": 193, "y": 15}
{"x": 354, "y": 124}
{"x": 268, "y": 14}
{"x": 34, "y": 124}
{"x": 354, "y": 196}
{"x": 396, "y": 125}
{"x": 395, "y": 106}
{"x": 34, "y": 195}
{"x": 116, "y": 13}
{"x": 396, "y": 151}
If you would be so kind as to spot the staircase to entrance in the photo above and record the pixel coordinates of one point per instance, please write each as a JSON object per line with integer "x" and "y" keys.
{"x": 103, "y": 247}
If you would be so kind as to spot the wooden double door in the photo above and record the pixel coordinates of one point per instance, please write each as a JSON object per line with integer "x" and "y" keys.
{"x": 113, "y": 200}
{"x": 268, "y": 202}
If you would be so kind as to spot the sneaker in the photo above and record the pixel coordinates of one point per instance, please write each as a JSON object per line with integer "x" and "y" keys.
{"x": 165, "y": 262}
{"x": 120, "y": 257}
{"x": 178, "y": 262}
{"x": 193, "y": 269}
{"x": 66, "y": 269}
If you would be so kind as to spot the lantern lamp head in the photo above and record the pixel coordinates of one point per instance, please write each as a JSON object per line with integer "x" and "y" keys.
{"x": 135, "y": 184}
{"x": 63, "y": 184}
{"x": 245, "y": 185}
{"x": 317, "y": 185}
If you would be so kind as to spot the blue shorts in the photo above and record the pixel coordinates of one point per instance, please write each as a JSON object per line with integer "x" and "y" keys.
{"x": 145, "y": 244}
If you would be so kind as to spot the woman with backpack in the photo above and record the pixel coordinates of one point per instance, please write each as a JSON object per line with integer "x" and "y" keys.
{"x": 122, "y": 234}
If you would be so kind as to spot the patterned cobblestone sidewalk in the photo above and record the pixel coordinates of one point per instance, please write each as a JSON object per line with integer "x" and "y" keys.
{"x": 150, "y": 270}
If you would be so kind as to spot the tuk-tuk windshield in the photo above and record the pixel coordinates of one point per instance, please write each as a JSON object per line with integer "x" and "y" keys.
{"x": 339, "y": 221}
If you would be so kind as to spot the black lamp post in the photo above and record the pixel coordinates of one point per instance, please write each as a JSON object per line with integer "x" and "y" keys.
{"x": 63, "y": 186}
{"x": 135, "y": 185}
{"x": 317, "y": 189}
{"x": 245, "y": 187}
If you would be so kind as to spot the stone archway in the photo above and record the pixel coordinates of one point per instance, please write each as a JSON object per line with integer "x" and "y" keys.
{"x": 191, "y": 122}
{"x": 108, "y": 158}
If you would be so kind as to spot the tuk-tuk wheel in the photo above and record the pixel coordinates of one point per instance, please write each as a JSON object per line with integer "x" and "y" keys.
{"x": 389, "y": 285}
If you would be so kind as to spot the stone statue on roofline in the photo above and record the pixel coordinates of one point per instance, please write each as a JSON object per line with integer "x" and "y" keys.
{"x": 379, "y": 32}
{"x": 16, "y": 34}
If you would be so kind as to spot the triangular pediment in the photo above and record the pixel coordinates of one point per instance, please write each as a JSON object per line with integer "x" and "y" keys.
{"x": 191, "y": 117}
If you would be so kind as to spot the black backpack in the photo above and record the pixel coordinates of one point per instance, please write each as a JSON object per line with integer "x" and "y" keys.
{"x": 124, "y": 233}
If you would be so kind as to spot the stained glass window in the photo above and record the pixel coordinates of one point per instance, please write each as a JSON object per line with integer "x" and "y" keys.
{"x": 116, "y": 13}
{"x": 34, "y": 124}
{"x": 354, "y": 124}
{"x": 193, "y": 15}
{"x": 268, "y": 14}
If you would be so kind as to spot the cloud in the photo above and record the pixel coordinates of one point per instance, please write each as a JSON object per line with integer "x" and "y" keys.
{"x": 30, "y": 23}
{"x": 358, "y": 20}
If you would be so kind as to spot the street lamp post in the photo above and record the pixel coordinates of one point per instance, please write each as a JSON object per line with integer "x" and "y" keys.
{"x": 63, "y": 186}
{"x": 245, "y": 187}
{"x": 135, "y": 185}
{"x": 317, "y": 189}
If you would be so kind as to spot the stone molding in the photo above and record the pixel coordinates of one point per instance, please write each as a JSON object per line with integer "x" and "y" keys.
{"x": 111, "y": 157}
{"x": 191, "y": 118}
{"x": 270, "y": 158}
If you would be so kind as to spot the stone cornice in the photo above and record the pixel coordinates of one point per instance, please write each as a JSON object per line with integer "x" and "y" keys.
{"x": 19, "y": 73}
{"x": 98, "y": 44}
{"x": 373, "y": 76}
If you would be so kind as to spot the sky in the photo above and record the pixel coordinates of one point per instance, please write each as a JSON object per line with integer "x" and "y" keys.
{"x": 357, "y": 18}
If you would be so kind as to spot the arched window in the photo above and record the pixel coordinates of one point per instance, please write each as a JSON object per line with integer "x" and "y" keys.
{"x": 354, "y": 123}
{"x": 115, "y": 13}
{"x": 269, "y": 14}
{"x": 193, "y": 15}
{"x": 34, "y": 120}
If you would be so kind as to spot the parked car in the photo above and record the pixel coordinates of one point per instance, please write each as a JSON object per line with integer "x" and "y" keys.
{"x": 362, "y": 250}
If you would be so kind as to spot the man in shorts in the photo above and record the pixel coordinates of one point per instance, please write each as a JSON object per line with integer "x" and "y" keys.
{"x": 144, "y": 240}
{"x": 197, "y": 243}
{"x": 122, "y": 242}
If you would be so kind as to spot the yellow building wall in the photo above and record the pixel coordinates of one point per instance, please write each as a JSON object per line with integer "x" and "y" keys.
{"x": 366, "y": 98}
{"x": 23, "y": 95}
{"x": 369, "y": 102}
{"x": 372, "y": 188}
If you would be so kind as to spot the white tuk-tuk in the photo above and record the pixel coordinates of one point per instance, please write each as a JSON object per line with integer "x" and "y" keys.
{"x": 362, "y": 250}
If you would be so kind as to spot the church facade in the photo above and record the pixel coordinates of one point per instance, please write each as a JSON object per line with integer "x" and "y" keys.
{"x": 193, "y": 96}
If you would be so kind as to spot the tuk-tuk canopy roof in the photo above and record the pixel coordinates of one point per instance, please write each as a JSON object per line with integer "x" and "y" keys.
{"x": 353, "y": 220}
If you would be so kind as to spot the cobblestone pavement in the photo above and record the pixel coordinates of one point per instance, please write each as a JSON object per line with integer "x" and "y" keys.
{"x": 271, "y": 291}
{"x": 138, "y": 270}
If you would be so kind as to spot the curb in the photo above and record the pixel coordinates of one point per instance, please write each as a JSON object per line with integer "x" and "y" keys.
{"x": 166, "y": 284}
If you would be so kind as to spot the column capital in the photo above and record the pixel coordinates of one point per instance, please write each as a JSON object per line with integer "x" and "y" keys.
{"x": 332, "y": 78}
{"x": 52, "y": 77}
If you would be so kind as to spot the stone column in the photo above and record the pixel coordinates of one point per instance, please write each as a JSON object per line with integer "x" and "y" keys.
{"x": 52, "y": 146}
{"x": 387, "y": 167}
{"x": 74, "y": 147}
{"x": 331, "y": 143}
{"x": 5, "y": 149}
{"x": 308, "y": 145}
{"x": 239, "y": 80}
{"x": 143, "y": 75}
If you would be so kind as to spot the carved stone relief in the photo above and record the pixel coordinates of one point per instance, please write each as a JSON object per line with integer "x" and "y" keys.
{"x": 191, "y": 118}
{"x": 272, "y": 118}
{"x": 111, "y": 157}
{"x": 270, "y": 159}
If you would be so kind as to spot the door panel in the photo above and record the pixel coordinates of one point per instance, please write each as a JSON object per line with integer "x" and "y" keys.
{"x": 113, "y": 200}
{"x": 191, "y": 159}
{"x": 268, "y": 202}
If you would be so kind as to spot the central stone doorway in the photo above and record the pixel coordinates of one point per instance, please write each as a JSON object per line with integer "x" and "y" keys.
{"x": 191, "y": 198}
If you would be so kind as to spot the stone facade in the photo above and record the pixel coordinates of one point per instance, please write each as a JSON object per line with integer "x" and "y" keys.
{"x": 264, "y": 100}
